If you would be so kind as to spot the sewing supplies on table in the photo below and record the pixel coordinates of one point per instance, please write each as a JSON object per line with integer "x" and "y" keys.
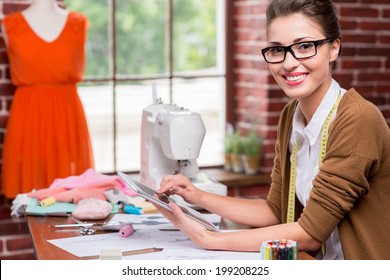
{"x": 91, "y": 228}
{"x": 279, "y": 250}
{"x": 132, "y": 209}
{"x": 126, "y": 231}
{"x": 46, "y": 202}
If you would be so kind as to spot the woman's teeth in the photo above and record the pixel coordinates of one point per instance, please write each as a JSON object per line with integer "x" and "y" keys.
{"x": 295, "y": 78}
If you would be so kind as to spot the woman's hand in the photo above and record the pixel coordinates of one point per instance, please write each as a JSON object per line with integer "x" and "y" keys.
{"x": 192, "y": 229}
{"x": 180, "y": 185}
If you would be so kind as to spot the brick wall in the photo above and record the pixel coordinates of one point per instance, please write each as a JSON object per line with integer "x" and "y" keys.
{"x": 364, "y": 64}
{"x": 15, "y": 241}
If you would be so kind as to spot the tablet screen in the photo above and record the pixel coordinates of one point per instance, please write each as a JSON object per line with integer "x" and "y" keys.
{"x": 148, "y": 193}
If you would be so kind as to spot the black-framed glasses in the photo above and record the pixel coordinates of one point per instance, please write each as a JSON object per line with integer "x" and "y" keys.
{"x": 301, "y": 50}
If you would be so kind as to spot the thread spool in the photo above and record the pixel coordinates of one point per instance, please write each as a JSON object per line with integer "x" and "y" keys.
{"x": 131, "y": 209}
{"x": 126, "y": 231}
{"x": 47, "y": 201}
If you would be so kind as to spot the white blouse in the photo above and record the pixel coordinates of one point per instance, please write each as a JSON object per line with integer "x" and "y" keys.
{"x": 308, "y": 140}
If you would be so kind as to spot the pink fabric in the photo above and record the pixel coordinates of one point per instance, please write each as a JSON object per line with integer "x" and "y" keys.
{"x": 90, "y": 184}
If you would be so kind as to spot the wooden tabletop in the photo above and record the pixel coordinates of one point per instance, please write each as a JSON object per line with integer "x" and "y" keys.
{"x": 41, "y": 232}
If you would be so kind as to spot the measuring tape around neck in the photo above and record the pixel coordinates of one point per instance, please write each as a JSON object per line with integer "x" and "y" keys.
{"x": 293, "y": 170}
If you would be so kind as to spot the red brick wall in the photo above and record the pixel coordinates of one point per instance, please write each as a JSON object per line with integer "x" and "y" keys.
{"x": 15, "y": 241}
{"x": 364, "y": 64}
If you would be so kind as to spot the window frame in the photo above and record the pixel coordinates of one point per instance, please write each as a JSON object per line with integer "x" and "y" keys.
{"x": 113, "y": 78}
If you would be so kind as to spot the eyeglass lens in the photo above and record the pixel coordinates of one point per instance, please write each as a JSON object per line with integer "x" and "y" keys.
{"x": 300, "y": 50}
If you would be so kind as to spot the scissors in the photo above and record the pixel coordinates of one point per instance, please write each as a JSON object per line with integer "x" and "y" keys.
{"x": 91, "y": 228}
{"x": 84, "y": 230}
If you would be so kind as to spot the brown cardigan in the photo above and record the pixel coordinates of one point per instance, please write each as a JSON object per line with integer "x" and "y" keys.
{"x": 352, "y": 187}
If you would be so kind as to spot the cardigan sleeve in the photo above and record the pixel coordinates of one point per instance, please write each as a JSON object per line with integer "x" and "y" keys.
{"x": 277, "y": 200}
{"x": 355, "y": 143}
{"x": 274, "y": 200}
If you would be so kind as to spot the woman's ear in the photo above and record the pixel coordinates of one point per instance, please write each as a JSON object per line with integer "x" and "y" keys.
{"x": 335, "y": 50}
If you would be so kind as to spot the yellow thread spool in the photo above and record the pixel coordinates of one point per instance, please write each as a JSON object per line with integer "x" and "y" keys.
{"x": 47, "y": 201}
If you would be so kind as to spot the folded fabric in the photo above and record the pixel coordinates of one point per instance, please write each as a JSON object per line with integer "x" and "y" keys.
{"x": 90, "y": 184}
{"x": 92, "y": 209}
{"x": 90, "y": 178}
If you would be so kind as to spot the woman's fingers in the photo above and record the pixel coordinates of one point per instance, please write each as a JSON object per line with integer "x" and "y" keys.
{"x": 173, "y": 184}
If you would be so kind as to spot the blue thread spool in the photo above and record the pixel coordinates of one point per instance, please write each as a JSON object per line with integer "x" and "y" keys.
{"x": 283, "y": 252}
{"x": 131, "y": 209}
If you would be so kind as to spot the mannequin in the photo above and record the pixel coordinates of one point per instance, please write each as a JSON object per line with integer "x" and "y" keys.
{"x": 47, "y": 134}
{"x": 50, "y": 26}
{"x": 47, "y": 27}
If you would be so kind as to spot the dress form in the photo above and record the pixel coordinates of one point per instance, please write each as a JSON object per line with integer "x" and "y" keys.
{"x": 45, "y": 18}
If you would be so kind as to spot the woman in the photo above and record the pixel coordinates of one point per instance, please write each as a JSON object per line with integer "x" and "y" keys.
{"x": 331, "y": 176}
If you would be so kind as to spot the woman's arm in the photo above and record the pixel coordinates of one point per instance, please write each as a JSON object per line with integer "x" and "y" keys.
{"x": 246, "y": 240}
{"x": 250, "y": 212}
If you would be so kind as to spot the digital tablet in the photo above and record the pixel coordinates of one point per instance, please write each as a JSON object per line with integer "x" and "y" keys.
{"x": 148, "y": 193}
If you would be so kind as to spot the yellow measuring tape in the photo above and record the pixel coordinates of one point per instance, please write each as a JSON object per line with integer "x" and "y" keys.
{"x": 293, "y": 170}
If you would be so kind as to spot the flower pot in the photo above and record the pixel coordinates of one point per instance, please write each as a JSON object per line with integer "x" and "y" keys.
{"x": 228, "y": 164}
{"x": 250, "y": 164}
{"x": 236, "y": 163}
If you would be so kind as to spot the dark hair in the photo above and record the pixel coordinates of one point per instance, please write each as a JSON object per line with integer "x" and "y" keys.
{"x": 321, "y": 11}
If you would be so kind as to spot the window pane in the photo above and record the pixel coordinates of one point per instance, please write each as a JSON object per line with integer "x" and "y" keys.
{"x": 97, "y": 47}
{"x": 141, "y": 36}
{"x": 97, "y": 101}
{"x": 131, "y": 99}
{"x": 206, "y": 97}
{"x": 194, "y": 35}
{"x": 141, "y": 48}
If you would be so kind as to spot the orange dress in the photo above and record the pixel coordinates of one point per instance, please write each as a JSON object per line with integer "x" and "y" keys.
{"x": 47, "y": 134}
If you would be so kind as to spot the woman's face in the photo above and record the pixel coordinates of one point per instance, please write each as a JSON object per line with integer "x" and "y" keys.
{"x": 301, "y": 78}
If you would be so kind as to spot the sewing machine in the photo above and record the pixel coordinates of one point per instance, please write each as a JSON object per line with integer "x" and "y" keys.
{"x": 171, "y": 138}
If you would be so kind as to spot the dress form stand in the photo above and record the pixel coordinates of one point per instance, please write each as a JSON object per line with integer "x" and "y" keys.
{"x": 46, "y": 18}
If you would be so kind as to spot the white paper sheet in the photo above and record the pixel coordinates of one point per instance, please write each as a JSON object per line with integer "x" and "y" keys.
{"x": 194, "y": 254}
{"x": 91, "y": 245}
{"x": 148, "y": 234}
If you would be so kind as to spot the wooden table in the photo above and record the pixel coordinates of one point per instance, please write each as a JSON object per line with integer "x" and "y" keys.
{"x": 44, "y": 250}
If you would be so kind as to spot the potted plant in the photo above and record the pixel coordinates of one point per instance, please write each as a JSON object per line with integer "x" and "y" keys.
{"x": 251, "y": 150}
{"x": 228, "y": 165}
{"x": 236, "y": 148}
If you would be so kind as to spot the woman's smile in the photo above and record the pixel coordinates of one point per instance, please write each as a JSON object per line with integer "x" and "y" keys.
{"x": 295, "y": 79}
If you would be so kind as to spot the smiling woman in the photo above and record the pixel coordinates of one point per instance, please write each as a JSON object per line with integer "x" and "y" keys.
{"x": 329, "y": 187}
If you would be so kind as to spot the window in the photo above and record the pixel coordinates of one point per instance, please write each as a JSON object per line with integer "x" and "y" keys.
{"x": 178, "y": 45}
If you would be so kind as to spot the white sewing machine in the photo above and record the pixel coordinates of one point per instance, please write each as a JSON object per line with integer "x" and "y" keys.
{"x": 171, "y": 138}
